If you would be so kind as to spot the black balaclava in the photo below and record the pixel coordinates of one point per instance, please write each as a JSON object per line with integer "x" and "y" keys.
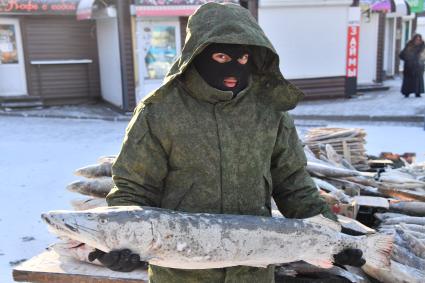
{"x": 214, "y": 72}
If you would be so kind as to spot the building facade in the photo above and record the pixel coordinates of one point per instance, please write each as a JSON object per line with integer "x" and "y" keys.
{"x": 73, "y": 51}
{"x": 46, "y": 55}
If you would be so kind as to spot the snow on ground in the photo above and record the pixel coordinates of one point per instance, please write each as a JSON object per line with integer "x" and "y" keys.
{"x": 38, "y": 156}
{"x": 388, "y": 103}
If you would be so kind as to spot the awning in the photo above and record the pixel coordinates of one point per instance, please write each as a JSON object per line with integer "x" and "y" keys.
{"x": 152, "y": 11}
{"x": 38, "y": 7}
{"x": 416, "y": 6}
{"x": 161, "y": 8}
{"x": 399, "y": 7}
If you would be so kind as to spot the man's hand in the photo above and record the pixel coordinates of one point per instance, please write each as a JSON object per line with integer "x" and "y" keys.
{"x": 118, "y": 260}
{"x": 351, "y": 257}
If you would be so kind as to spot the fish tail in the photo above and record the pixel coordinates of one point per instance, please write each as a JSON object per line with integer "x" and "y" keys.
{"x": 377, "y": 249}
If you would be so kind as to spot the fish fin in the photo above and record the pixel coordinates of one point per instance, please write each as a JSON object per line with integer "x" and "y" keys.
{"x": 323, "y": 263}
{"x": 323, "y": 221}
{"x": 377, "y": 249}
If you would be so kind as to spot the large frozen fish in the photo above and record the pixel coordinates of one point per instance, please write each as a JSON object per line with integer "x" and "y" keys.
{"x": 199, "y": 240}
{"x": 107, "y": 159}
{"x": 321, "y": 169}
{"x": 415, "y": 227}
{"x": 339, "y": 194}
{"x": 404, "y": 219}
{"x": 388, "y": 215}
{"x": 354, "y": 225}
{"x": 98, "y": 187}
{"x": 415, "y": 208}
{"x": 405, "y": 256}
{"x": 416, "y": 246}
{"x": 74, "y": 249}
{"x": 88, "y": 203}
{"x": 398, "y": 273}
{"x": 401, "y": 193}
{"x": 96, "y": 170}
{"x": 399, "y": 177}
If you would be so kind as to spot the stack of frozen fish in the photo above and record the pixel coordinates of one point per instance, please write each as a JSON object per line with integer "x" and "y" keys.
{"x": 397, "y": 194}
{"x": 346, "y": 142}
{"x": 93, "y": 189}
{"x": 96, "y": 184}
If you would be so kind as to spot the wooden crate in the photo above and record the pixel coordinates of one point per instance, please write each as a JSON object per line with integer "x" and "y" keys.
{"x": 49, "y": 267}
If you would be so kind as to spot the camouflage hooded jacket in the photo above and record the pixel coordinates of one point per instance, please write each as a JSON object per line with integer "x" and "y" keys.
{"x": 193, "y": 148}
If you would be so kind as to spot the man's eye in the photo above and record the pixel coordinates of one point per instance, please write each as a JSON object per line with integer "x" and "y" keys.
{"x": 221, "y": 57}
{"x": 244, "y": 59}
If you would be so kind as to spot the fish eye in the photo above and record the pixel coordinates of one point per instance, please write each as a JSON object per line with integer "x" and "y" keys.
{"x": 103, "y": 220}
{"x": 244, "y": 59}
{"x": 221, "y": 57}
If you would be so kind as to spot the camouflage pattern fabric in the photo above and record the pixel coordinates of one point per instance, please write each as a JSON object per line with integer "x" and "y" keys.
{"x": 193, "y": 148}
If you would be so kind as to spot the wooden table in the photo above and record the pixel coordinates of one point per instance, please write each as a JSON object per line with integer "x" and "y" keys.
{"x": 49, "y": 267}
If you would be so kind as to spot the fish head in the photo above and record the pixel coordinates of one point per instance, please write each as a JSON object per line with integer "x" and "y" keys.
{"x": 104, "y": 228}
{"x": 83, "y": 226}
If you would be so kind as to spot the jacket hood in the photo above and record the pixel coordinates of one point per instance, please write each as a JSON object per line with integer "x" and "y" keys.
{"x": 233, "y": 24}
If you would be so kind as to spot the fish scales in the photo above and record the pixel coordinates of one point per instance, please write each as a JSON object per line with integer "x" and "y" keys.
{"x": 404, "y": 256}
{"x": 202, "y": 241}
{"x": 393, "y": 228}
{"x": 416, "y": 246}
{"x": 415, "y": 228}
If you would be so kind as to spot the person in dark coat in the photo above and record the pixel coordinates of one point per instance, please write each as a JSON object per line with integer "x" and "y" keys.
{"x": 413, "y": 57}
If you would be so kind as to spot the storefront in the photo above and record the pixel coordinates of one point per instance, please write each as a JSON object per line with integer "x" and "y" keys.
{"x": 46, "y": 54}
{"x": 12, "y": 66}
{"x": 104, "y": 14}
{"x": 385, "y": 28}
{"x": 311, "y": 40}
{"x": 158, "y": 43}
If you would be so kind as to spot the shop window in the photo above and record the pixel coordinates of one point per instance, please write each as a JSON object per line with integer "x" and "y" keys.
{"x": 160, "y": 49}
{"x": 8, "y": 48}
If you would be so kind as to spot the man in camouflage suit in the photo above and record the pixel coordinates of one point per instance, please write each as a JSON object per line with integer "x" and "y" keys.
{"x": 216, "y": 138}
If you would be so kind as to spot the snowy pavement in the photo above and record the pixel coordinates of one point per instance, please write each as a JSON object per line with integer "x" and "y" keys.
{"x": 384, "y": 105}
{"x": 38, "y": 157}
{"x": 389, "y": 104}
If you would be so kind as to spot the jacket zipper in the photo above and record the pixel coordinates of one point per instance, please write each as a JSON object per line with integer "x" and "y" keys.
{"x": 219, "y": 151}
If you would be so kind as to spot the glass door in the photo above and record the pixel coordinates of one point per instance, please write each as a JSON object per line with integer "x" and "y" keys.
{"x": 158, "y": 45}
{"x": 12, "y": 67}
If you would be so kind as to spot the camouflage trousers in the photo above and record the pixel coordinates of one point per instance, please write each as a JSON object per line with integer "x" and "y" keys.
{"x": 237, "y": 274}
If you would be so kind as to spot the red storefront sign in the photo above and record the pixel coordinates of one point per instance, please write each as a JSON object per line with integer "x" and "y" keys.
{"x": 38, "y": 6}
{"x": 352, "y": 51}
